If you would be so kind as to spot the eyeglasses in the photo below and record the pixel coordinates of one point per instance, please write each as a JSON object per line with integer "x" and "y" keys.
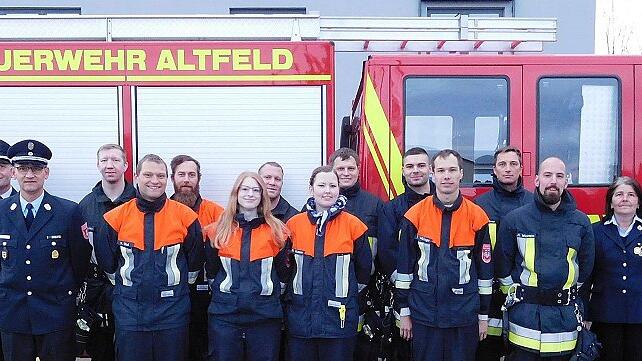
{"x": 24, "y": 169}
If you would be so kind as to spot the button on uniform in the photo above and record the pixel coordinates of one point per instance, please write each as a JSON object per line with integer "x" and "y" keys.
{"x": 28, "y": 278}
{"x": 29, "y": 293}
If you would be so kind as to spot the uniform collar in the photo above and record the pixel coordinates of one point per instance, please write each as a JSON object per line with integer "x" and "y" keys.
{"x": 282, "y": 207}
{"x": 624, "y": 233}
{"x": 129, "y": 192}
{"x": 35, "y": 203}
{"x": 452, "y": 208}
{"x": 8, "y": 193}
{"x": 146, "y": 206}
{"x": 499, "y": 188}
{"x": 567, "y": 202}
{"x": 350, "y": 192}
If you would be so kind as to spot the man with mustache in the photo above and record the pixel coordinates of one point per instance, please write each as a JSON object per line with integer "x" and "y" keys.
{"x": 544, "y": 252}
{"x": 110, "y": 192}
{"x": 507, "y": 194}
{"x": 272, "y": 174}
{"x": 186, "y": 177}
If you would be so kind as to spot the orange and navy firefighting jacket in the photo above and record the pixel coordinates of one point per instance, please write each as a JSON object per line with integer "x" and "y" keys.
{"x": 328, "y": 273}
{"x": 154, "y": 249}
{"x": 246, "y": 275}
{"x": 208, "y": 213}
{"x": 445, "y": 269}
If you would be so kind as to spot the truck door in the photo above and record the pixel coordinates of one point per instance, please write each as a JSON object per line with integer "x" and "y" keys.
{"x": 582, "y": 114}
{"x": 471, "y": 109}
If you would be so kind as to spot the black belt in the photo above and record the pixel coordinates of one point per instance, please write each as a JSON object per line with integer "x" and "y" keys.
{"x": 547, "y": 297}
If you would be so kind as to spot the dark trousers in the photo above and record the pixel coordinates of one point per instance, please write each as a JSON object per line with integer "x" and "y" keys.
{"x": 444, "y": 344}
{"x": 198, "y": 340}
{"x": 521, "y": 355}
{"x": 100, "y": 345}
{"x": 54, "y": 346}
{"x": 620, "y": 341}
{"x": 492, "y": 348}
{"x": 321, "y": 349}
{"x": 253, "y": 342}
{"x": 162, "y": 345}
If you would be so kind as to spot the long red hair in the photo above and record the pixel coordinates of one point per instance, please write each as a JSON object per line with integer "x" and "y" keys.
{"x": 227, "y": 224}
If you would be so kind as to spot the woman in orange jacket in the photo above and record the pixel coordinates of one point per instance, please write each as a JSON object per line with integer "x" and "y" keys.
{"x": 246, "y": 263}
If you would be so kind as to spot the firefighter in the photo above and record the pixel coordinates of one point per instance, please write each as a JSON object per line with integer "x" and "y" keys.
{"x": 186, "y": 178}
{"x": 155, "y": 247}
{"x": 617, "y": 276}
{"x": 272, "y": 174}
{"x": 330, "y": 264}
{"x": 110, "y": 192}
{"x": 416, "y": 176}
{"x": 6, "y": 174}
{"x": 368, "y": 208}
{"x": 544, "y": 251}
{"x": 444, "y": 269}
{"x": 246, "y": 262}
{"x": 43, "y": 261}
{"x": 508, "y": 193}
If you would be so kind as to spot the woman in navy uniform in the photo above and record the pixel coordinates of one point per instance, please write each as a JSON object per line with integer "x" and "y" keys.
{"x": 246, "y": 263}
{"x": 615, "y": 308}
{"x": 43, "y": 260}
{"x": 331, "y": 267}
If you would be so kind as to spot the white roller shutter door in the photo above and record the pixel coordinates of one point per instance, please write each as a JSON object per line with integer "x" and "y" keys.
{"x": 232, "y": 129}
{"x": 73, "y": 121}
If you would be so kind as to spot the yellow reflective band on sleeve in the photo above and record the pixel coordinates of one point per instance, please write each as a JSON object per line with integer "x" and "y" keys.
{"x": 492, "y": 229}
{"x": 594, "y": 218}
{"x": 494, "y": 327}
{"x": 570, "y": 259}
{"x": 529, "y": 260}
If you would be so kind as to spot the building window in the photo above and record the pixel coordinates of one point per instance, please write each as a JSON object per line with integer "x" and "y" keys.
{"x": 28, "y": 10}
{"x": 579, "y": 122}
{"x": 477, "y": 8}
{"x": 467, "y": 114}
{"x": 268, "y": 11}
{"x": 489, "y": 12}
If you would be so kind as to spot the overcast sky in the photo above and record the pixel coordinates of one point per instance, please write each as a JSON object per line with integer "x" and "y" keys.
{"x": 627, "y": 24}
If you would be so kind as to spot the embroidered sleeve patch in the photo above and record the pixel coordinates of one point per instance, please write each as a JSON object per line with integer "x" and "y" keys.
{"x": 486, "y": 253}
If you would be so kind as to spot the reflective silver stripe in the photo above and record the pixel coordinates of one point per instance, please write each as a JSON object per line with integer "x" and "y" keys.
{"x": 341, "y": 274}
{"x": 559, "y": 336}
{"x": 579, "y": 284}
{"x": 464, "y": 265}
{"x": 403, "y": 281}
{"x": 404, "y": 311}
{"x": 267, "y": 287}
{"x": 297, "y": 283}
{"x": 361, "y": 286}
{"x": 526, "y": 274}
{"x": 171, "y": 267}
{"x": 495, "y": 322}
{"x": 373, "y": 241}
{"x": 506, "y": 281}
{"x": 128, "y": 266}
{"x": 424, "y": 261}
{"x": 112, "y": 278}
{"x": 393, "y": 277}
{"x": 524, "y": 332}
{"x": 191, "y": 277}
{"x": 226, "y": 285}
{"x": 282, "y": 287}
{"x": 482, "y": 317}
{"x": 485, "y": 287}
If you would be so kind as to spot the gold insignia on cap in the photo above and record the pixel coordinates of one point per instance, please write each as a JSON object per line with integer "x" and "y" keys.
{"x": 13, "y": 207}
{"x": 47, "y": 206}
{"x": 55, "y": 254}
{"x": 30, "y": 145}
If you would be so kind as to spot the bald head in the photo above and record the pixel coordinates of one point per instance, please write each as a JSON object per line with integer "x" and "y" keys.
{"x": 551, "y": 180}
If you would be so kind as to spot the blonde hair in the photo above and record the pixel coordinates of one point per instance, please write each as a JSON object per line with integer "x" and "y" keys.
{"x": 227, "y": 223}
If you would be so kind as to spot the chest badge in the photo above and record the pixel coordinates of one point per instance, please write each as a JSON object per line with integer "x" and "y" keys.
{"x": 5, "y": 254}
{"x": 638, "y": 250}
{"x": 55, "y": 254}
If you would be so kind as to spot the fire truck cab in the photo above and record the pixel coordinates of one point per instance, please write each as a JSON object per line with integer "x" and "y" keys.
{"x": 585, "y": 110}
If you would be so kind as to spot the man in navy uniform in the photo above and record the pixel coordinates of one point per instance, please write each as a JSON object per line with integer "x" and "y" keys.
{"x": 43, "y": 260}
{"x": 110, "y": 192}
{"x": 6, "y": 173}
{"x": 507, "y": 194}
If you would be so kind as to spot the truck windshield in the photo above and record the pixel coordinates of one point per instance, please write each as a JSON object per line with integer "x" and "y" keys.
{"x": 467, "y": 114}
{"x": 578, "y": 121}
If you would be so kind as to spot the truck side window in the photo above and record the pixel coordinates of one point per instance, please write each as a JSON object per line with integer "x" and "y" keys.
{"x": 467, "y": 114}
{"x": 579, "y": 122}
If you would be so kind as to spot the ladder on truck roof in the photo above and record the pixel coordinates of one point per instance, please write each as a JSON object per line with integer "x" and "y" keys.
{"x": 462, "y": 33}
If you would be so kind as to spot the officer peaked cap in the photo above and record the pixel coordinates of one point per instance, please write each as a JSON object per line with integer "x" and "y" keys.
{"x": 4, "y": 147}
{"x": 29, "y": 151}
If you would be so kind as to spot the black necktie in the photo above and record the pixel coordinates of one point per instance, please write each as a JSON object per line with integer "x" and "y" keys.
{"x": 29, "y": 217}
